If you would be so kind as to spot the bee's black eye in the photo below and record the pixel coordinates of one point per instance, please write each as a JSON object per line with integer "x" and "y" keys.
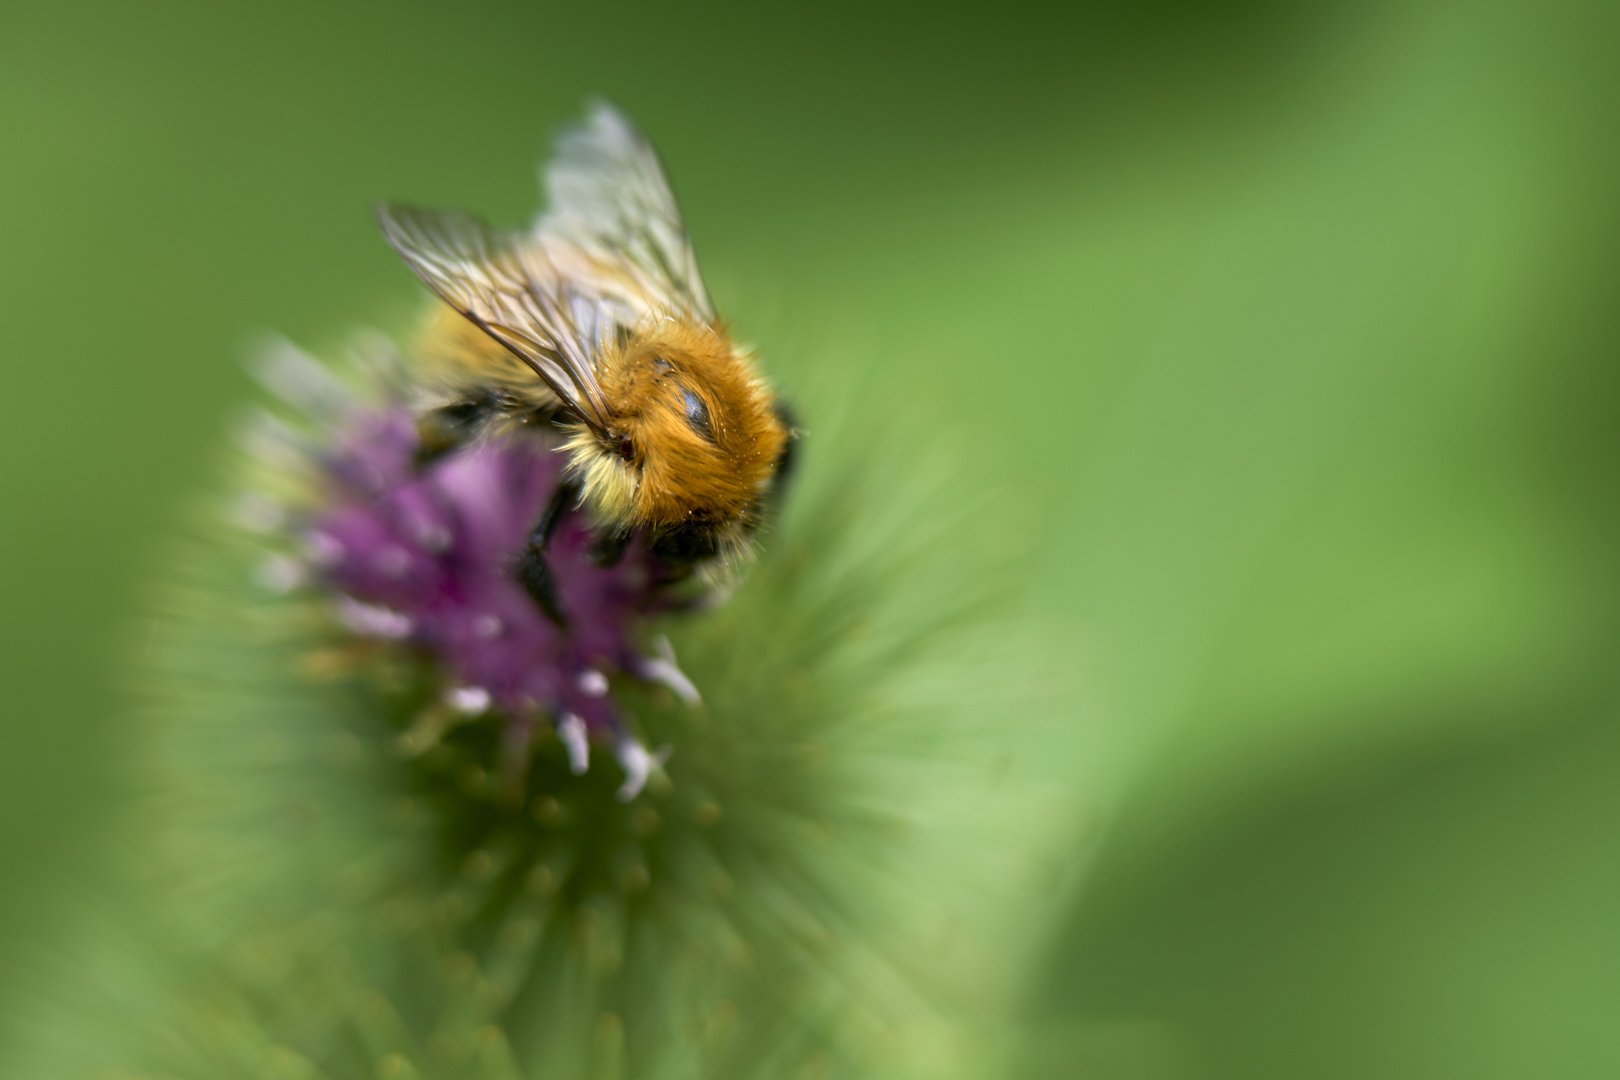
{"x": 627, "y": 448}
{"x": 697, "y": 414}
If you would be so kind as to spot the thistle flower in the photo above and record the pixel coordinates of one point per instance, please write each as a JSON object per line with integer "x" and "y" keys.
{"x": 424, "y": 553}
{"x": 378, "y": 839}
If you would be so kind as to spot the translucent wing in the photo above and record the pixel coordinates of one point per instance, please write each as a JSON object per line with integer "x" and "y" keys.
{"x": 612, "y": 224}
{"x": 504, "y": 285}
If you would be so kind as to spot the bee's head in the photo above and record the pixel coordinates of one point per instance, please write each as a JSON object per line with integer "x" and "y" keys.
{"x": 689, "y": 445}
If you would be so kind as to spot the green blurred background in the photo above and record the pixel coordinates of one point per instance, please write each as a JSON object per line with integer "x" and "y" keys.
{"x": 1291, "y": 329}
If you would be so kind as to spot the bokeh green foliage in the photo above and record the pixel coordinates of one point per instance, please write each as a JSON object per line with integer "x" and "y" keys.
{"x": 1287, "y": 329}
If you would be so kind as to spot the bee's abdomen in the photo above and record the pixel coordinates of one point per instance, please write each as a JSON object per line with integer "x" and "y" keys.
{"x": 449, "y": 427}
{"x": 455, "y": 352}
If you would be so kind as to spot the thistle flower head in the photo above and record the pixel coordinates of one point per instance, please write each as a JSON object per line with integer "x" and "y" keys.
{"x": 424, "y": 551}
{"x": 383, "y": 838}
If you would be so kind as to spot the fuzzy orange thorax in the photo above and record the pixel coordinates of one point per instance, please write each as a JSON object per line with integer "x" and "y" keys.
{"x": 702, "y": 434}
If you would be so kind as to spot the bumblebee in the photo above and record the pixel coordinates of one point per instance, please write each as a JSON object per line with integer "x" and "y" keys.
{"x": 595, "y": 322}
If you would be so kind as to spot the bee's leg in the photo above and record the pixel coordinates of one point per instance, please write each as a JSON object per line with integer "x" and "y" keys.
{"x": 533, "y": 572}
{"x": 606, "y": 550}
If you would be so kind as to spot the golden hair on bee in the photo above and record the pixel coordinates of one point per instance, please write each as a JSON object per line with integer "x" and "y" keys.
{"x": 692, "y": 437}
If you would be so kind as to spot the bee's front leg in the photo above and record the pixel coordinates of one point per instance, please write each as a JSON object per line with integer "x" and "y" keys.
{"x": 533, "y": 572}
